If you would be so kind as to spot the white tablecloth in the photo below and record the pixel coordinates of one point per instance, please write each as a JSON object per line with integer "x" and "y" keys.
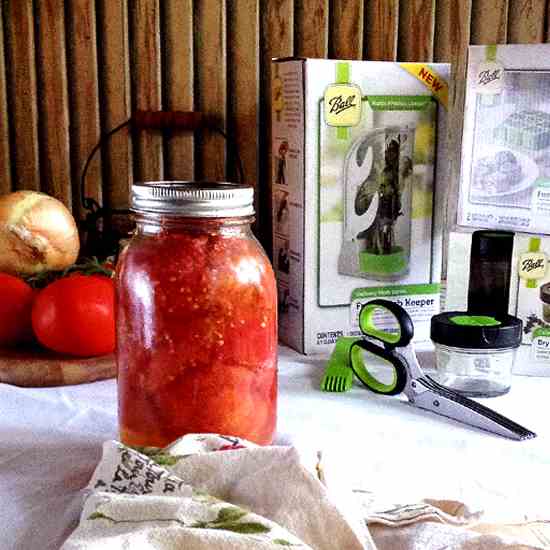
{"x": 50, "y": 442}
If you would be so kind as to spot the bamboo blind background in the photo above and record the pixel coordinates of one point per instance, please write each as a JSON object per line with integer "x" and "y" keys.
{"x": 72, "y": 69}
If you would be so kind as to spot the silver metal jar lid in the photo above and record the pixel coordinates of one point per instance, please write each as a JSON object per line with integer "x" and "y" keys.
{"x": 193, "y": 199}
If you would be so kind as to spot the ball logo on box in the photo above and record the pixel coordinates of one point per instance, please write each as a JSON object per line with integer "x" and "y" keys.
{"x": 342, "y": 105}
{"x": 489, "y": 78}
{"x": 532, "y": 265}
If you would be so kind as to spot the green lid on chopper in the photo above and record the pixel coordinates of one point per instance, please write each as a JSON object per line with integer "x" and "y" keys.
{"x": 459, "y": 329}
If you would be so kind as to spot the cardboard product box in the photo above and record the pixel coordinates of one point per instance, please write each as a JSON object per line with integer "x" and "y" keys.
{"x": 529, "y": 294}
{"x": 356, "y": 149}
{"x": 505, "y": 174}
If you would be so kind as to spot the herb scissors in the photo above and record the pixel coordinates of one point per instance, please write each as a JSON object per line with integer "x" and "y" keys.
{"x": 390, "y": 352}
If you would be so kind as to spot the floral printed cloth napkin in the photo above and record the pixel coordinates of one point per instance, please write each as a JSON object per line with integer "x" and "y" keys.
{"x": 217, "y": 492}
{"x": 209, "y": 491}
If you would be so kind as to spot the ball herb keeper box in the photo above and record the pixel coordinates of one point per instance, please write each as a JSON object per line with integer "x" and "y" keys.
{"x": 357, "y": 148}
{"x": 505, "y": 175}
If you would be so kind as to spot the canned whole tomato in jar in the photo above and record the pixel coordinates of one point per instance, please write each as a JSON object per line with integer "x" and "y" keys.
{"x": 196, "y": 317}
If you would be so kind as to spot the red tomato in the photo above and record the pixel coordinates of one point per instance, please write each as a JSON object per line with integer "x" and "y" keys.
{"x": 75, "y": 315}
{"x": 15, "y": 310}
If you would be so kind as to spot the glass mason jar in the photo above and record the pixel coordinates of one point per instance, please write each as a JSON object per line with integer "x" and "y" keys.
{"x": 196, "y": 317}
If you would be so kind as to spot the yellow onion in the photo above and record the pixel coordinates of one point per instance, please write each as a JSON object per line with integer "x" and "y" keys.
{"x": 37, "y": 233}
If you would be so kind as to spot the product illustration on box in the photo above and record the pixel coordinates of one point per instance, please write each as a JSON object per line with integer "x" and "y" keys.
{"x": 281, "y": 163}
{"x": 376, "y": 188}
{"x": 506, "y": 140}
{"x": 281, "y": 211}
{"x": 510, "y": 149}
{"x": 377, "y": 205}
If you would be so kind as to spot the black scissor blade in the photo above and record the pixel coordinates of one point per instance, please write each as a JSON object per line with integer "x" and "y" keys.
{"x": 468, "y": 411}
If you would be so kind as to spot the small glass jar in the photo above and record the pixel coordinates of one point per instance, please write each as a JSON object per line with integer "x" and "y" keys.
{"x": 475, "y": 372}
{"x": 475, "y": 354}
{"x": 196, "y": 317}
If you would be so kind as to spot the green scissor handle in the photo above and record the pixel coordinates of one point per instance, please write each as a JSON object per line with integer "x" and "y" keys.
{"x": 405, "y": 331}
{"x": 365, "y": 370}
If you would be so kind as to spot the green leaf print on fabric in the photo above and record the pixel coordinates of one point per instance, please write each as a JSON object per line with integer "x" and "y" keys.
{"x": 148, "y": 451}
{"x": 226, "y": 520}
{"x": 158, "y": 455}
{"x": 247, "y": 528}
{"x": 231, "y": 513}
{"x": 99, "y": 515}
{"x": 163, "y": 459}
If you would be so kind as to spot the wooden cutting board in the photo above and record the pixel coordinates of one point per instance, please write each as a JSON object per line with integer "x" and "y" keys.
{"x": 36, "y": 367}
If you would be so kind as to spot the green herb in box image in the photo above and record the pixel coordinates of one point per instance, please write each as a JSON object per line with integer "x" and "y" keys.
{"x": 377, "y": 204}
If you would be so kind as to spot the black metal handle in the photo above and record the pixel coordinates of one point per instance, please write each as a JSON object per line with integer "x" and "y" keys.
{"x": 161, "y": 120}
